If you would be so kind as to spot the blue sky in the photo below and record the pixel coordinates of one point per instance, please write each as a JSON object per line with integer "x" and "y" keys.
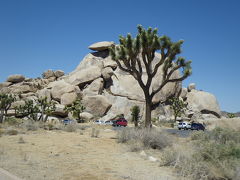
{"x": 36, "y": 35}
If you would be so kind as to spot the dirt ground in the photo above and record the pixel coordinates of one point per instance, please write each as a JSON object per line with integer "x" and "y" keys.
{"x": 56, "y": 154}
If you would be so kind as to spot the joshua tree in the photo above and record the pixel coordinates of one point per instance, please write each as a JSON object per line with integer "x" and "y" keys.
{"x": 29, "y": 109}
{"x": 76, "y": 108}
{"x": 135, "y": 115}
{"x": 135, "y": 54}
{"x": 6, "y": 101}
{"x": 46, "y": 108}
{"x": 178, "y": 106}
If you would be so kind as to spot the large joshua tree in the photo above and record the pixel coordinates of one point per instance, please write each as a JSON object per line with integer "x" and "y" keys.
{"x": 135, "y": 54}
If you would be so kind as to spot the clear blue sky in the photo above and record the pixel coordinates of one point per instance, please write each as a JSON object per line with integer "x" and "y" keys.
{"x": 36, "y": 35}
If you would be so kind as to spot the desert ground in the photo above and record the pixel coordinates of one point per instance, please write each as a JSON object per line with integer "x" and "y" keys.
{"x": 58, "y": 154}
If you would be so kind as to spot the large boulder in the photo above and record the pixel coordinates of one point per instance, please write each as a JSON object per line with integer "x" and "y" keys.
{"x": 61, "y": 87}
{"x": 97, "y": 105}
{"x": 100, "y": 46}
{"x": 44, "y": 93}
{"x": 86, "y": 116}
{"x": 82, "y": 77}
{"x": 95, "y": 88}
{"x": 107, "y": 73}
{"x": 5, "y": 84}
{"x": 121, "y": 105}
{"x": 16, "y": 78}
{"x": 68, "y": 98}
{"x": 59, "y": 73}
{"x": 47, "y": 74}
{"x": 204, "y": 102}
{"x": 59, "y": 111}
{"x": 22, "y": 88}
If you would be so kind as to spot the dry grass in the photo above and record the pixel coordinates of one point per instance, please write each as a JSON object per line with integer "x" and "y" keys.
{"x": 212, "y": 155}
{"x": 12, "y": 132}
{"x": 143, "y": 138}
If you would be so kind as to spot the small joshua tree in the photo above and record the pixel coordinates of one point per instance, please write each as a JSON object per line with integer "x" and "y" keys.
{"x": 29, "y": 109}
{"x": 76, "y": 108}
{"x": 135, "y": 56}
{"x": 46, "y": 108}
{"x": 6, "y": 101}
{"x": 178, "y": 106}
{"x": 135, "y": 115}
{"x": 231, "y": 115}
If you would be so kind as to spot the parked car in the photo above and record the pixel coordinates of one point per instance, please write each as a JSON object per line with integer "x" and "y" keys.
{"x": 98, "y": 122}
{"x": 120, "y": 122}
{"x": 197, "y": 126}
{"x": 67, "y": 121}
{"x": 109, "y": 122}
{"x": 184, "y": 125}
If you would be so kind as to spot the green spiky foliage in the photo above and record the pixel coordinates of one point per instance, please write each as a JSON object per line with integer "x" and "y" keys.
{"x": 178, "y": 106}
{"x": 135, "y": 115}
{"x": 6, "y": 101}
{"x": 46, "y": 107}
{"x": 231, "y": 115}
{"x": 29, "y": 109}
{"x": 135, "y": 54}
{"x": 76, "y": 108}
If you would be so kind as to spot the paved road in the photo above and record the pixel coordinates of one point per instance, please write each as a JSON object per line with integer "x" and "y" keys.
{"x": 5, "y": 175}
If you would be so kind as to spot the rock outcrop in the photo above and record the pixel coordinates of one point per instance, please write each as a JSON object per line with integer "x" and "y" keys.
{"x": 107, "y": 91}
{"x": 16, "y": 78}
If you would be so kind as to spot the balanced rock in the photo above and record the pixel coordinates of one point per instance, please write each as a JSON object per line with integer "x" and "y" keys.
{"x": 16, "y": 78}
{"x": 97, "y": 105}
{"x": 100, "y": 46}
{"x": 191, "y": 87}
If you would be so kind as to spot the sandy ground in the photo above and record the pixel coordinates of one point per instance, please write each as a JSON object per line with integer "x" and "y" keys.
{"x": 75, "y": 156}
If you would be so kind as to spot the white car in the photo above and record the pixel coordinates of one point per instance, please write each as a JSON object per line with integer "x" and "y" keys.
{"x": 98, "y": 122}
{"x": 184, "y": 125}
{"x": 108, "y": 122}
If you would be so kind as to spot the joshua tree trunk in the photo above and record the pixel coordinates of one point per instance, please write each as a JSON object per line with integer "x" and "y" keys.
{"x": 2, "y": 116}
{"x": 148, "y": 112}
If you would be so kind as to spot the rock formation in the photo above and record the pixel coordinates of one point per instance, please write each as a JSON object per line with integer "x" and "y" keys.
{"x": 106, "y": 91}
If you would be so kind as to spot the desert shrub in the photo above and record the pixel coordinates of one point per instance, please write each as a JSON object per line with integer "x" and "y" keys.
{"x": 165, "y": 123}
{"x": 12, "y": 132}
{"x": 21, "y": 140}
{"x": 30, "y": 125}
{"x": 213, "y": 155}
{"x": 13, "y": 121}
{"x": 83, "y": 127}
{"x": 1, "y": 132}
{"x": 70, "y": 128}
{"x": 149, "y": 138}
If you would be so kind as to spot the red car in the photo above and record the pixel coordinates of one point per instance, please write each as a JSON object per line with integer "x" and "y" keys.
{"x": 120, "y": 122}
